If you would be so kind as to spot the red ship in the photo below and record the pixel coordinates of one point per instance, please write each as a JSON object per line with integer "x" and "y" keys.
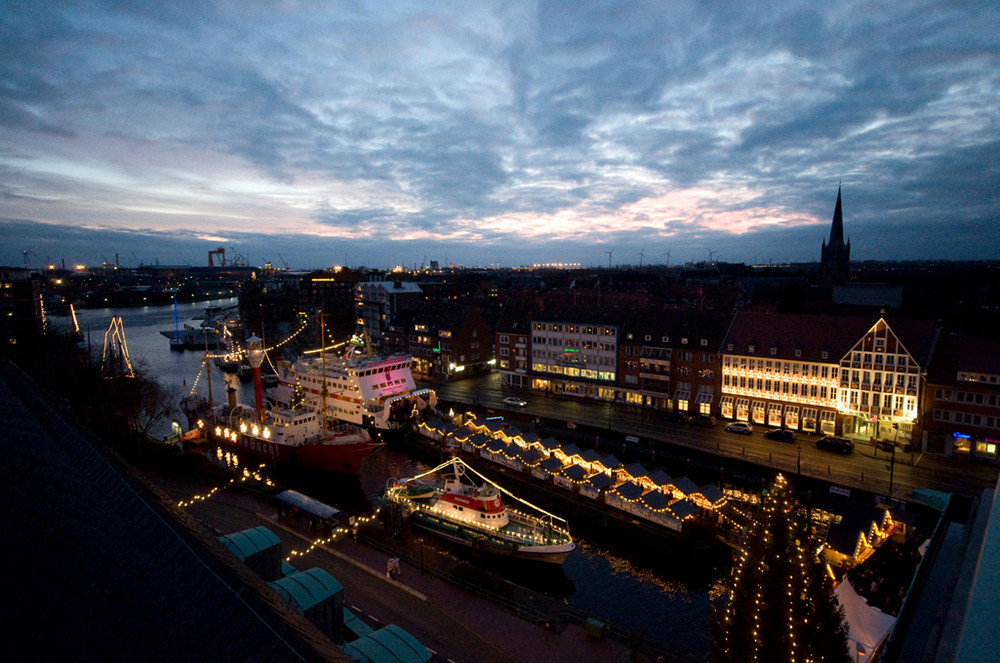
{"x": 296, "y": 435}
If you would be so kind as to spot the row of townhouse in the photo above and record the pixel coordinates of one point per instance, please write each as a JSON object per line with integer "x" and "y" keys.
{"x": 905, "y": 381}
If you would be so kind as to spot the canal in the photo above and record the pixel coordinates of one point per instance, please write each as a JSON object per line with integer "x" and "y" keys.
{"x": 613, "y": 578}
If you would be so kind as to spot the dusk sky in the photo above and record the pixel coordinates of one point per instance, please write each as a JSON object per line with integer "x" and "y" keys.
{"x": 497, "y": 133}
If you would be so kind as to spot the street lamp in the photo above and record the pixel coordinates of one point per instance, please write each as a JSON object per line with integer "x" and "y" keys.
{"x": 892, "y": 459}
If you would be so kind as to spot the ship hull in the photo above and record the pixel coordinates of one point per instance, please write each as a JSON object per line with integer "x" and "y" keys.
{"x": 343, "y": 458}
{"x": 476, "y": 540}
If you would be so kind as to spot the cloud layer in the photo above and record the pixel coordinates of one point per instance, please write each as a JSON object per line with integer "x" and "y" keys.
{"x": 497, "y": 132}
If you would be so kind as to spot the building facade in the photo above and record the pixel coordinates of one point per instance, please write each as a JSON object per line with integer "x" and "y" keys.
{"x": 961, "y": 414}
{"x": 825, "y": 374}
{"x": 574, "y": 358}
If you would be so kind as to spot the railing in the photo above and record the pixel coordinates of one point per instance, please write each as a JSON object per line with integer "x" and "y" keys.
{"x": 537, "y": 609}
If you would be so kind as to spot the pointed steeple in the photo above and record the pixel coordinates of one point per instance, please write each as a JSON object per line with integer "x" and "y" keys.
{"x": 837, "y": 229}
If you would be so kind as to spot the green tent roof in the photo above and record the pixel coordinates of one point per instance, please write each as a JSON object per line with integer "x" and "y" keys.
{"x": 250, "y": 541}
{"x": 308, "y": 588}
{"x": 390, "y": 644}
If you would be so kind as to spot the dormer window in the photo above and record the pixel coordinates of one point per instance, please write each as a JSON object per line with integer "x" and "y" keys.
{"x": 751, "y": 349}
{"x": 774, "y": 349}
{"x": 684, "y": 340}
{"x": 798, "y": 353}
{"x": 704, "y": 342}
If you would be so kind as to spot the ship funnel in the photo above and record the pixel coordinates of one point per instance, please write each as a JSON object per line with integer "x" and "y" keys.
{"x": 255, "y": 355}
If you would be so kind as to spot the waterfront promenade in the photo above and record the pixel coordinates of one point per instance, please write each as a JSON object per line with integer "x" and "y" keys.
{"x": 454, "y": 624}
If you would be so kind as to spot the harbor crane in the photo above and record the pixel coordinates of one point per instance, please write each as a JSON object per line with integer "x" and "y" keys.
{"x": 221, "y": 252}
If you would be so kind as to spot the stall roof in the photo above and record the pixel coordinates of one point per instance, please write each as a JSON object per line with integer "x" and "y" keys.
{"x": 308, "y": 504}
{"x": 389, "y": 644}
{"x": 249, "y": 542}
{"x": 629, "y": 491}
{"x": 308, "y": 588}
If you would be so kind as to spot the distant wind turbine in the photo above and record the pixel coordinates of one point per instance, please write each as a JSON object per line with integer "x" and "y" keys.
{"x": 642, "y": 254}
{"x": 668, "y": 258}
{"x": 609, "y": 257}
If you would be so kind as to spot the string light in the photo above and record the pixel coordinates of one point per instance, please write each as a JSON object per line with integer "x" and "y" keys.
{"x": 337, "y": 534}
{"x": 247, "y": 475}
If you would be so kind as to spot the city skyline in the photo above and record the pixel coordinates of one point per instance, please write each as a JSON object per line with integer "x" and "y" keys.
{"x": 499, "y": 134}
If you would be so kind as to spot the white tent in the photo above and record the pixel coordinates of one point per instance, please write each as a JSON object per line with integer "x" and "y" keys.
{"x": 867, "y": 627}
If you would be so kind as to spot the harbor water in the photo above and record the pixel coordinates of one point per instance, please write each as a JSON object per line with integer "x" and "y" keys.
{"x": 612, "y": 580}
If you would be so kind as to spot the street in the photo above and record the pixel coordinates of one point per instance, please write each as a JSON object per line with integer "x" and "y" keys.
{"x": 867, "y": 468}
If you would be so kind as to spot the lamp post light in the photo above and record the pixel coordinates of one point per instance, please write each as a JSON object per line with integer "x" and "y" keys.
{"x": 892, "y": 458}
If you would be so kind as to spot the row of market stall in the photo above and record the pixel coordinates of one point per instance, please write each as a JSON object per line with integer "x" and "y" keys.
{"x": 649, "y": 494}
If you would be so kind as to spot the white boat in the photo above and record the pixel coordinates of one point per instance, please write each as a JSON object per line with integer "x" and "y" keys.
{"x": 474, "y": 515}
{"x": 360, "y": 387}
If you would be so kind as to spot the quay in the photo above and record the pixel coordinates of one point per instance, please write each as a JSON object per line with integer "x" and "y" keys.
{"x": 455, "y": 624}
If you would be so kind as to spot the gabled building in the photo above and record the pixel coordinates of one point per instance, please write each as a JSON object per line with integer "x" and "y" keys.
{"x": 825, "y": 374}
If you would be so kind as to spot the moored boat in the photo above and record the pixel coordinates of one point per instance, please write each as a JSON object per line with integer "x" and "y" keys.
{"x": 474, "y": 515}
{"x": 358, "y": 386}
{"x": 296, "y": 434}
{"x": 294, "y": 437}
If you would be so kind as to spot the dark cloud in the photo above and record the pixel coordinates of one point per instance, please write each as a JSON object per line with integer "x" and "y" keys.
{"x": 378, "y": 123}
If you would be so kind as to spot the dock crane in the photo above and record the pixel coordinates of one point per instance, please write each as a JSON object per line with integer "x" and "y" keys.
{"x": 221, "y": 252}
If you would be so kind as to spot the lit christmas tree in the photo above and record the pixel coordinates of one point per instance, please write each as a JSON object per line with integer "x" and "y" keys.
{"x": 780, "y": 606}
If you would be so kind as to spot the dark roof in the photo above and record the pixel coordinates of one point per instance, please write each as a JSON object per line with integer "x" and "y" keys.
{"x": 102, "y": 567}
{"x": 810, "y": 335}
{"x": 968, "y": 354}
{"x": 629, "y": 491}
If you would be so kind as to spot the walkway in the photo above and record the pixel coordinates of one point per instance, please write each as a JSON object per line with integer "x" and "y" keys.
{"x": 454, "y": 624}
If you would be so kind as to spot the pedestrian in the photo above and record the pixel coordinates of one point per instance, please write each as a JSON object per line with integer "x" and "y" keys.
{"x": 395, "y": 567}
{"x": 388, "y": 568}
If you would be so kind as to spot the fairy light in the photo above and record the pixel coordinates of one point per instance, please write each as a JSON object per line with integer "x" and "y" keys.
{"x": 336, "y": 535}
{"x": 247, "y": 475}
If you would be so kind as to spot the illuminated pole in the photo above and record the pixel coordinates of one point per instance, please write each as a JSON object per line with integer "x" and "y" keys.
{"x": 892, "y": 460}
{"x": 255, "y": 355}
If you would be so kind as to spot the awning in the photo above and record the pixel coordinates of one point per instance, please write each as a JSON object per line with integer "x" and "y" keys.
{"x": 682, "y": 395}
{"x": 308, "y": 504}
{"x": 704, "y": 398}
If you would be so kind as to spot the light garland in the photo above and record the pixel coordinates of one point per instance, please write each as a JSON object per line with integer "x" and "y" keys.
{"x": 247, "y": 475}
{"x": 337, "y": 534}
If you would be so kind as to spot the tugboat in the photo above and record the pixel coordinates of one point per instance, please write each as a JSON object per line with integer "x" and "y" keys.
{"x": 295, "y": 435}
{"x": 474, "y": 515}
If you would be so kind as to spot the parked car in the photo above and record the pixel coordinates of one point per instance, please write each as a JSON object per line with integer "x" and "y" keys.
{"x": 515, "y": 401}
{"x": 674, "y": 415}
{"x": 836, "y": 444}
{"x": 740, "y": 427}
{"x": 780, "y": 435}
{"x": 703, "y": 420}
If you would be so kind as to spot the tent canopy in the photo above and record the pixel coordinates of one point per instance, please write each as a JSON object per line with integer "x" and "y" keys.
{"x": 867, "y": 626}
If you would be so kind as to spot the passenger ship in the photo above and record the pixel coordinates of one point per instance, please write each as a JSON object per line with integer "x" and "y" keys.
{"x": 359, "y": 387}
{"x": 475, "y": 516}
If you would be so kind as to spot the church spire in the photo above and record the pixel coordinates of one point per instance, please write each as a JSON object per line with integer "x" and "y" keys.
{"x": 837, "y": 229}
